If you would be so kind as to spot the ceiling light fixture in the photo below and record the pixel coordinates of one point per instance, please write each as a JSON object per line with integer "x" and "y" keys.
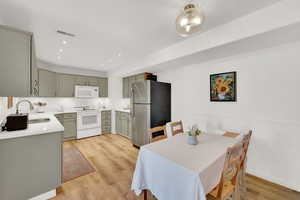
{"x": 58, "y": 57}
{"x": 64, "y": 42}
{"x": 190, "y": 20}
{"x": 61, "y": 50}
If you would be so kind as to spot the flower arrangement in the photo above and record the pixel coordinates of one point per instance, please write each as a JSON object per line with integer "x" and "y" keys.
{"x": 194, "y": 131}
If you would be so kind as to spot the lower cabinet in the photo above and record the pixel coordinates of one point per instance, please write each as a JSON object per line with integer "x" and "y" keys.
{"x": 30, "y": 165}
{"x": 69, "y": 121}
{"x": 123, "y": 124}
{"x": 106, "y": 121}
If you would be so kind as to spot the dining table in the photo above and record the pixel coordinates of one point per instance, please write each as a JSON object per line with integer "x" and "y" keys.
{"x": 172, "y": 169}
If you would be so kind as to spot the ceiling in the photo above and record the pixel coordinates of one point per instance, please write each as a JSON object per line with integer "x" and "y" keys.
{"x": 110, "y": 33}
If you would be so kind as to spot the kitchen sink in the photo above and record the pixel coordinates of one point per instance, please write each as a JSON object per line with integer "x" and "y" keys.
{"x": 37, "y": 121}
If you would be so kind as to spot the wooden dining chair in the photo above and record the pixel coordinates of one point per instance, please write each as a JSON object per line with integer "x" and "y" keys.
{"x": 154, "y": 133}
{"x": 242, "y": 176}
{"x": 176, "y": 127}
{"x": 228, "y": 186}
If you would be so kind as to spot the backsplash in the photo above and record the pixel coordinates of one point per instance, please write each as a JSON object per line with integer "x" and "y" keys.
{"x": 53, "y": 104}
{"x": 3, "y": 108}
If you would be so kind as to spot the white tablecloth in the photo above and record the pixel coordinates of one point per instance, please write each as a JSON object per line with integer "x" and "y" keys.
{"x": 174, "y": 170}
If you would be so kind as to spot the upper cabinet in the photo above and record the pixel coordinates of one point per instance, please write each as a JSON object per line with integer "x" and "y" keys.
{"x": 128, "y": 81}
{"x": 18, "y": 75}
{"x": 53, "y": 84}
{"x": 65, "y": 85}
{"x": 47, "y": 83}
{"x": 103, "y": 85}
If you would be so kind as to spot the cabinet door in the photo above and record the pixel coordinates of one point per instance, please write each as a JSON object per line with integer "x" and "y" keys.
{"x": 103, "y": 87}
{"x": 130, "y": 82}
{"x": 117, "y": 122}
{"x": 47, "y": 83}
{"x": 81, "y": 80}
{"x": 93, "y": 81}
{"x": 125, "y": 87}
{"x": 65, "y": 85}
{"x": 15, "y": 62}
{"x": 140, "y": 77}
{"x": 129, "y": 125}
{"x": 125, "y": 127}
{"x": 70, "y": 128}
{"x": 34, "y": 71}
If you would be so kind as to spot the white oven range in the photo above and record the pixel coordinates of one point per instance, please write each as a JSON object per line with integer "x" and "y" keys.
{"x": 88, "y": 123}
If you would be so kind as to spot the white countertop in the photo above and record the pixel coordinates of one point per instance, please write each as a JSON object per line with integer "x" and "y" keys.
{"x": 51, "y": 126}
{"x": 123, "y": 110}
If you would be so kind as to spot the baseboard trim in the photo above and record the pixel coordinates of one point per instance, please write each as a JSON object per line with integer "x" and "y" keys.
{"x": 263, "y": 179}
{"x": 45, "y": 196}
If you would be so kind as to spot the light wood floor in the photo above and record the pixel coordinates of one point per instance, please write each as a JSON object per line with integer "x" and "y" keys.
{"x": 113, "y": 158}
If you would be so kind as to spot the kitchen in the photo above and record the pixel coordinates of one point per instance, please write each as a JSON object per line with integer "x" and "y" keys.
{"x": 76, "y": 100}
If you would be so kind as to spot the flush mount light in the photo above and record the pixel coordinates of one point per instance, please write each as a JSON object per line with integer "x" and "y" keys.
{"x": 190, "y": 20}
{"x": 64, "y": 42}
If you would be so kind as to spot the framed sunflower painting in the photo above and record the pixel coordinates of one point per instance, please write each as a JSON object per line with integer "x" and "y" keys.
{"x": 223, "y": 87}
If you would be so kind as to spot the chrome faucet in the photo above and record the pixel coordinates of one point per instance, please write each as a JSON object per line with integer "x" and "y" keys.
{"x": 18, "y": 104}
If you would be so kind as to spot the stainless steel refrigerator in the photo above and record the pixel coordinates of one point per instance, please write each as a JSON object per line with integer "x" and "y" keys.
{"x": 150, "y": 107}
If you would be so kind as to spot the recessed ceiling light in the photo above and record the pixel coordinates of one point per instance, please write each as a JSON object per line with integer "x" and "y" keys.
{"x": 61, "y": 50}
{"x": 64, "y": 42}
{"x": 119, "y": 54}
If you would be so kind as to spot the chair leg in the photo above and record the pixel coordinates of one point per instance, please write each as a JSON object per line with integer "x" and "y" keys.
{"x": 145, "y": 194}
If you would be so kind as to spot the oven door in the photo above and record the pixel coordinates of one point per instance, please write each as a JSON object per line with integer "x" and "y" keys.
{"x": 87, "y": 120}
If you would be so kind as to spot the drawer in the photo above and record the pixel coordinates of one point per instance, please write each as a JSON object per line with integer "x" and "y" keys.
{"x": 70, "y": 115}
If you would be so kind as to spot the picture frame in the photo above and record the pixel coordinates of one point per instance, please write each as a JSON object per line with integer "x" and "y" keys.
{"x": 223, "y": 87}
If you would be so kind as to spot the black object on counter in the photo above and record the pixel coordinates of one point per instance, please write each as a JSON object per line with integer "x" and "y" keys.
{"x": 16, "y": 122}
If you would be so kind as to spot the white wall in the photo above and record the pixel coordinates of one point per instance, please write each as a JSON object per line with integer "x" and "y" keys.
{"x": 267, "y": 101}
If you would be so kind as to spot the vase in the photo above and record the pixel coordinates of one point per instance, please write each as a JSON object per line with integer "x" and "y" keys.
{"x": 192, "y": 140}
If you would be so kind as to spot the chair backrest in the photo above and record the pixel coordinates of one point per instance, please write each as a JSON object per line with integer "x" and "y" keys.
{"x": 176, "y": 127}
{"x": 246, "y": 141}
{"x": 157, "y": 129}
{"x": 233, "y": 160}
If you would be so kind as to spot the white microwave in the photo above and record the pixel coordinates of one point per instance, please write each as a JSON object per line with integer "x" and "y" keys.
{"x": 86, "y": 91}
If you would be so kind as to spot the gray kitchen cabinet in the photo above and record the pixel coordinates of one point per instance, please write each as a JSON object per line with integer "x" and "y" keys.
{"x": 16, "y": 58}
{"x": 65, "y": 85}
{"x": 103, "y": 87}
{"x": 125, "y": 87}
{"x": 118, "y": 122}
{"x": 30, "y": 165}
{"x": 93, "y": 81}
{"x": 106, "y": 121}
{"x": 70, "y": 129}
{"x": 47, "y": 83}
{"x": 34, "y": 71}
{"x": 81, "y": 80}
{"x": 123, "y": 125}
{"x": 69, "y": 122}
{"x": 140, "y": 77}
{"x": 128, "y": 81}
